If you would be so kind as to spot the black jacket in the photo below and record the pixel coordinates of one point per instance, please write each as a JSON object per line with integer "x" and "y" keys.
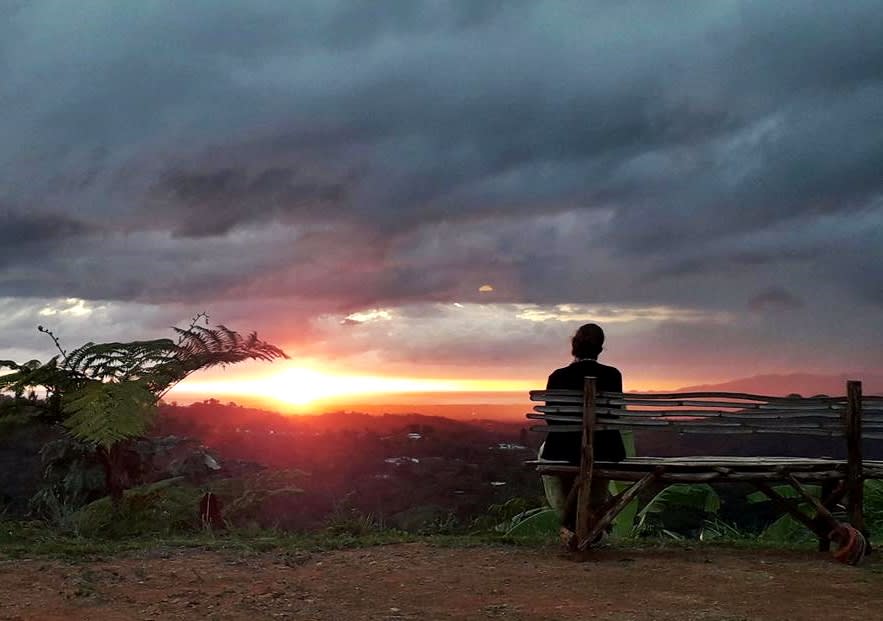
{"x": 607, "y": 444}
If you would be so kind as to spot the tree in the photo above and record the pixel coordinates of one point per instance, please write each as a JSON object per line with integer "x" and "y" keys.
{"x": 106, "y": 394}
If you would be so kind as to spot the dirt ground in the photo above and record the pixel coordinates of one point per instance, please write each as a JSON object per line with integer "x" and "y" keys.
{"x": 418, "y": 581}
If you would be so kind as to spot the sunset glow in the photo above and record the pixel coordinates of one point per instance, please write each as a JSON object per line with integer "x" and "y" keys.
{"x": 303, "y": 386}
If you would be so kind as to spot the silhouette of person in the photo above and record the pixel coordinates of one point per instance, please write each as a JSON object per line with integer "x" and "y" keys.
{"x": 586, "y": 345}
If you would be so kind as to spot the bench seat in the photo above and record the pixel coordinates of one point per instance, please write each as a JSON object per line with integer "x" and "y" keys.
{"x": 709, "y": 468}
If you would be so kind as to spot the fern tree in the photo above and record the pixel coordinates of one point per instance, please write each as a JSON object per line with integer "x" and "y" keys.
{"x": 106, "y": 394}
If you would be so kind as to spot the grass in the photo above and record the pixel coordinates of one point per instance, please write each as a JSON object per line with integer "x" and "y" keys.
{"x": 19, "y": 540}
{"x": 34, "y": 540}
{"x": 31, "y": 539}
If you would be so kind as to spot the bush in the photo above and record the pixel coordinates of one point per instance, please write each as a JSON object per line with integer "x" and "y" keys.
{"x": 164, "y": 508}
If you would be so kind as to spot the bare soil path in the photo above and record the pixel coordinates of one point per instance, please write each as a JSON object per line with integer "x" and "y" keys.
{"x": 419, "y": 581}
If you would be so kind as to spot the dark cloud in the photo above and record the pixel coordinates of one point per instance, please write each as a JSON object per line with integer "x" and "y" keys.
{"x": 376, "y": 155}
{"x": 774, "y": 299}
{"x": 24, "y": 229}
{"x": 214, "y": 203}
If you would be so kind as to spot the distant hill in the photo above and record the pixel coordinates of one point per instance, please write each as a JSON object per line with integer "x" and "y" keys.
{"x": 214, "y": 415}
{"x": 806, "y": 384}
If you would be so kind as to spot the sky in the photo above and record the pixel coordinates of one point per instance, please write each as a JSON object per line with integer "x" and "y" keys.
{"x": 445, "y": 191}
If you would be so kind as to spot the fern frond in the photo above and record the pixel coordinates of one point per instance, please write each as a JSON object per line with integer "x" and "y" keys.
{"x": 33, "y": 375}
{"x": 119, "y": 361}
{"x": 75, "y": 358}
{"x": 104, "y": 413}
{"x": 205, "y": 347}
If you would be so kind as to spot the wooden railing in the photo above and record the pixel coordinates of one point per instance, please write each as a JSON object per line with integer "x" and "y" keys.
{"x": 708, "y": 412}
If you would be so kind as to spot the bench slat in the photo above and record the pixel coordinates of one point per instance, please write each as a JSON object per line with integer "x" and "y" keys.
{"x": 575, "y": 396}
{"x": 736, "y": 461}
{"x": 686, "y": 403}
{"x": 576, "y": 411}
{"x": 633, "y": 418}
{"x": 704, "y": 477}
{"x": 542, "y": 395}
{"x": 699, "y": 429}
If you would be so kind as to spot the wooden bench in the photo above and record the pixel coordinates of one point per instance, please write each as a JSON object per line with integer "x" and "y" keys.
{"x": 850, "y": 419}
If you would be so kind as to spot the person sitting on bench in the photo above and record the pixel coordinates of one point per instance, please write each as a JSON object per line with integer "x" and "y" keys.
{"x": 586, "y": 345}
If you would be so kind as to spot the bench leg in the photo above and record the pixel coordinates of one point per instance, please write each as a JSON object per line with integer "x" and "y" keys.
{"x": 787, "y": 505}
{"x": 832, "y": 493}
{"x": 565, "y": 492}
{"x": 611, "y": 509}
{"x": 584, "y": 516}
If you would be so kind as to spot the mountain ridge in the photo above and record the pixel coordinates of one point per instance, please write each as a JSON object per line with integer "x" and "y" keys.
{"x": 805, "y": 384}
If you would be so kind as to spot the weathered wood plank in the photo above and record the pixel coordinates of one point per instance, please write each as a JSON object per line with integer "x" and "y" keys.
{"x": 632, "y": 418}
{"x": 628, "y": 418}
{"x": 747, "y": 400}
{"x": 702, "y": 461}
{"x": 703, "y": 476}
{"x": 687, "y": 403}
{"x": 821, "y": 511}
{"x": 674, "y": 464}
{"x": 691, "y": 428}
{"x": 854, "y": 480}
{"x": 574, "y": 410}
{"x": 584, "y": 509}
{"x": 573, "y": 395}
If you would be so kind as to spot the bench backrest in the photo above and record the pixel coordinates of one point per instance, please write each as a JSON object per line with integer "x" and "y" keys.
{"x": 712, "y": 413}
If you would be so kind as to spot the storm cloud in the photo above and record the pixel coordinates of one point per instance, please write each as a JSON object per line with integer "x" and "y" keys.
{"x": 292, "y": 163}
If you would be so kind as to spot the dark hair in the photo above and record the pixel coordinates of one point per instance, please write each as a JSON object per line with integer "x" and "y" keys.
{"x": 588, "y": 341}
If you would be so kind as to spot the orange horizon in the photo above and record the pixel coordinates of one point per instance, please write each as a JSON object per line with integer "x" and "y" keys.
{"x": 300, "y": 388}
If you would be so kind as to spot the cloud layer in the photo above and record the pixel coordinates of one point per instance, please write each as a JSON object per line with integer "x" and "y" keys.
{"x": 292, "y": 163}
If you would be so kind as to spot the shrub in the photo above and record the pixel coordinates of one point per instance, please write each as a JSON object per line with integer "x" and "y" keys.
{"x": 164, "y": 508}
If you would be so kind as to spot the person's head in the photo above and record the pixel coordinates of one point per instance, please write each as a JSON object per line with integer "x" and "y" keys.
{"x": 588, "y": 341}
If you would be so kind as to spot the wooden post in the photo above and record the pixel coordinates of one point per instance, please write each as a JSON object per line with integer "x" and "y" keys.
{"x": 822, "y": 514}
{"x": 787, "y": 504}
{"x": 608, "y": 513}
{"x": 828, "y": 489}
{"x": 584, "y": 517}
{"x": 854, "y": 475}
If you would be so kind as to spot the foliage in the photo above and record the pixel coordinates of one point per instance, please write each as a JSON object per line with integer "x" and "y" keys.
{"x": 533, "y": 523}
{"x": 105, "y": 413}
{"x": 171, "y": 506}
{"x": 107, "y": 393}
{"x": 498, "y": 515}
{"x": 72, "y": 477}
{"x": 715, "y": 529}
{"x": 12, "y": 420}
{"x": 24, "y": 380}
{"x": 785, "y": 529}
{"x": 126, "y": 380}
{"x": 243, "y": 497}
{"x": 159, "y": 364}
{"x": 29, "y": 539}
{"x": 874, "y": 506}
{"x": 348, "y": 520}
{"x": 700, "y": 500}
{"x": 518, "y": 517}
{"x": 785, "y": 491}
{"x": 678, "y": 513}
{"x": 164, "y": 508}
{"x": 624, "y": 523}
{"x": 788, "y": 530}
{"x": 444, "y": 523}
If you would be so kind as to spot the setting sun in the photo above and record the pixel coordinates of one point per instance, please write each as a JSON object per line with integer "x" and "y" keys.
{"x": 302, "y": 386}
